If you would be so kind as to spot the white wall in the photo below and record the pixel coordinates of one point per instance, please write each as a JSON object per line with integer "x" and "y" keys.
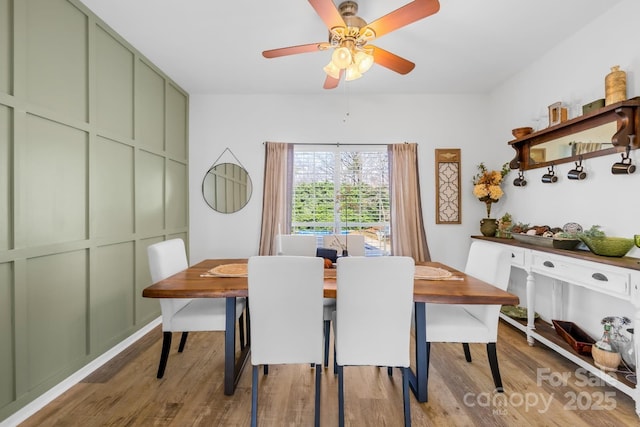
{"x": 574, "y": 72}
{"x": 243, "y": 123}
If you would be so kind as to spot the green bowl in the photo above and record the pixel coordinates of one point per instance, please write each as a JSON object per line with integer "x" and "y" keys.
{"x": 608, "y": 246}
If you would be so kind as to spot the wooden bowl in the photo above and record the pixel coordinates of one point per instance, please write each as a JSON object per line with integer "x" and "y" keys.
{"x": 520, "y": 132}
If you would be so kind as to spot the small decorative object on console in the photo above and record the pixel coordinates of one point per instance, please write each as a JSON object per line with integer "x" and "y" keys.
{"x": 557, "y": 114}
{"x": 593, "y": 106}
{"x": 600, "y": 244}
{"x": 605, "y": 355}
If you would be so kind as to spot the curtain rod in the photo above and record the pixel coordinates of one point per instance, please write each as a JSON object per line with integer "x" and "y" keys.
{"x": 337, "y": 144}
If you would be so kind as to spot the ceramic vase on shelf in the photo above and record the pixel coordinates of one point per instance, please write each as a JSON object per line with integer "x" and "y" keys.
{"x": 488, "y": 226}
{"x": 615, "y": 86}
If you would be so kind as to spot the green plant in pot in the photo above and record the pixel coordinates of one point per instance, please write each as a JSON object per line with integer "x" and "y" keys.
{"x": 601, "y": 244}
{"x": 505, "y": 222}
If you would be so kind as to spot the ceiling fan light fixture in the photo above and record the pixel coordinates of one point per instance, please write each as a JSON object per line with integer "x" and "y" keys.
{"x": 363, "y": 60}
{"x": 352, "y": 73}
{"x": 349, "y": 36}
{"x": 341, "y": 57}
{"x": 332, "y": 70}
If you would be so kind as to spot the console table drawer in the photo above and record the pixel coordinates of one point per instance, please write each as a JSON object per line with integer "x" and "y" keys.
{"x": 591, "y": 275}
{"x": 517, "y": 257}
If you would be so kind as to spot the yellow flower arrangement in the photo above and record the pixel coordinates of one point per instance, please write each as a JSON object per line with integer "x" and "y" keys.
{"x": 486, "y": 185}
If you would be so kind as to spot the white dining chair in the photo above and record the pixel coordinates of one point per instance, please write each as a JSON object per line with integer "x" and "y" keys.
{"x": 285, "y": 300}
{"x": 297, "y": 244}
{"x": 353, "y": 243}
{"x": 473, "y": 323}
{"x": 372, "y": 322}
{"x": 306, "y": 245}
{"x": 183, "y": 314}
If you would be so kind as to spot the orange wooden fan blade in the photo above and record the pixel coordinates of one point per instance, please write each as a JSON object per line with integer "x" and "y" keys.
{"x": 331, "y": 83}
{"x": 292, "y": 50}
{"x": 328, "y": 12}
{"x": 392, "y": 61}
{"x": 405, "y": 15}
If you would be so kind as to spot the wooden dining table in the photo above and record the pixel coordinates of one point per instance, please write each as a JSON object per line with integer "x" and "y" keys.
{"x": 197, "y": 282}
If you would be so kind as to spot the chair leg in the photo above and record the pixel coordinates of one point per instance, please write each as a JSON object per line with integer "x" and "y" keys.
{"x": 495, "y": 370}
{"x": 164, "y": 355}
{"x": 335, "y": 364}
{"x": 389, "y": 371}
{"x": 340, "y": 396}
{"x": 327, "y": 332}
{"x": 183, "y": 341}
{"x": 405, "y": 397}
{"x": 265, "y": 369}
{"x": 317, "y": 410}
{"x": 467, "y": 352}
{"x": 254, "y": 397}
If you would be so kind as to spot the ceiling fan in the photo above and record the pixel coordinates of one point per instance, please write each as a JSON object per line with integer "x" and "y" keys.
{"x": 349, "y": 36}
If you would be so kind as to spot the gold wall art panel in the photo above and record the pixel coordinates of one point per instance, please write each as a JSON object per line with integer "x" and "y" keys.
{"x": 448, "y": 186}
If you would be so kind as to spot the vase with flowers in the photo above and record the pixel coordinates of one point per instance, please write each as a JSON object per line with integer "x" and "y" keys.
{"x": 486, "y": 187}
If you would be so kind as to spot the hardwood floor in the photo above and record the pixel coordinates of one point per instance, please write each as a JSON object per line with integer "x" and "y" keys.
{"x": 125, "y": 392}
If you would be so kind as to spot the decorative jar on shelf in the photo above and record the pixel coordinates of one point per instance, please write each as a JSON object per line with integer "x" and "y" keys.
{"x": 605, "y": 353}
{"x": 488, "y": 227}
{"x": 615, "y": 86}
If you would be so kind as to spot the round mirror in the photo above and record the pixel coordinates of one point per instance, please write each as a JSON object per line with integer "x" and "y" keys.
{"x": 226, "y": 187}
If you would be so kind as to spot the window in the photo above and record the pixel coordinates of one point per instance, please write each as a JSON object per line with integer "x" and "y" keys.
{"x": 342, "y": 190}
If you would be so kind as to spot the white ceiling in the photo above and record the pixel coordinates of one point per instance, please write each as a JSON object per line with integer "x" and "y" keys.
{"x": 214, "y": 46}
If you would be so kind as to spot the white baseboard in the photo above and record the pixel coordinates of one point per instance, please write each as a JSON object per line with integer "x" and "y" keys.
{"x": 73, "y": 379}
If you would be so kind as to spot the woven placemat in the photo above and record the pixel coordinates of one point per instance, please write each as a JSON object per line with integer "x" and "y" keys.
{"x": 431, "y": 273}
{"x": 229, "y": 270}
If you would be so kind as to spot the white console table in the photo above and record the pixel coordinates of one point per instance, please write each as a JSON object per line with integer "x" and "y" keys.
{"x": 616, "y": 277}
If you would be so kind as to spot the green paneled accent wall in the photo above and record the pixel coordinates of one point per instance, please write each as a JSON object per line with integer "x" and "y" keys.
{"x": 149, "y": 107}
{"x": 93, "y": 169}
{"x": 177, "y": 213}
{"x": 176, "y": 141}
{"x": 6, "y": 126}
{"x": 56, "y": 314}
{"x": 112, "y": 299}
{"x": 7, "y": 385}
{"x": 56, "y": 55}
{"x": 114, "y": 84}
{"x": 54, "y": 196}
{"x": 113, "y": 211}
{"x": 150, "y": 178}
{"x": 6, "y": 33}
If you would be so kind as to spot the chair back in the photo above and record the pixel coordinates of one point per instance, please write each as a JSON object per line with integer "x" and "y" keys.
{"x": 285, "y": 302}
{"x": 374, "y": 305}
{"x": 297, "y": 244}
{"x": 354, "y": 243}
{"x": 492, "y": 264}
{"x": 166, "y": 259}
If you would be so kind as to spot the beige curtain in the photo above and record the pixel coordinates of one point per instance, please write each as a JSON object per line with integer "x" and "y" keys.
{"x": 408, "y": 237}
{"x": 276, "y": 196}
